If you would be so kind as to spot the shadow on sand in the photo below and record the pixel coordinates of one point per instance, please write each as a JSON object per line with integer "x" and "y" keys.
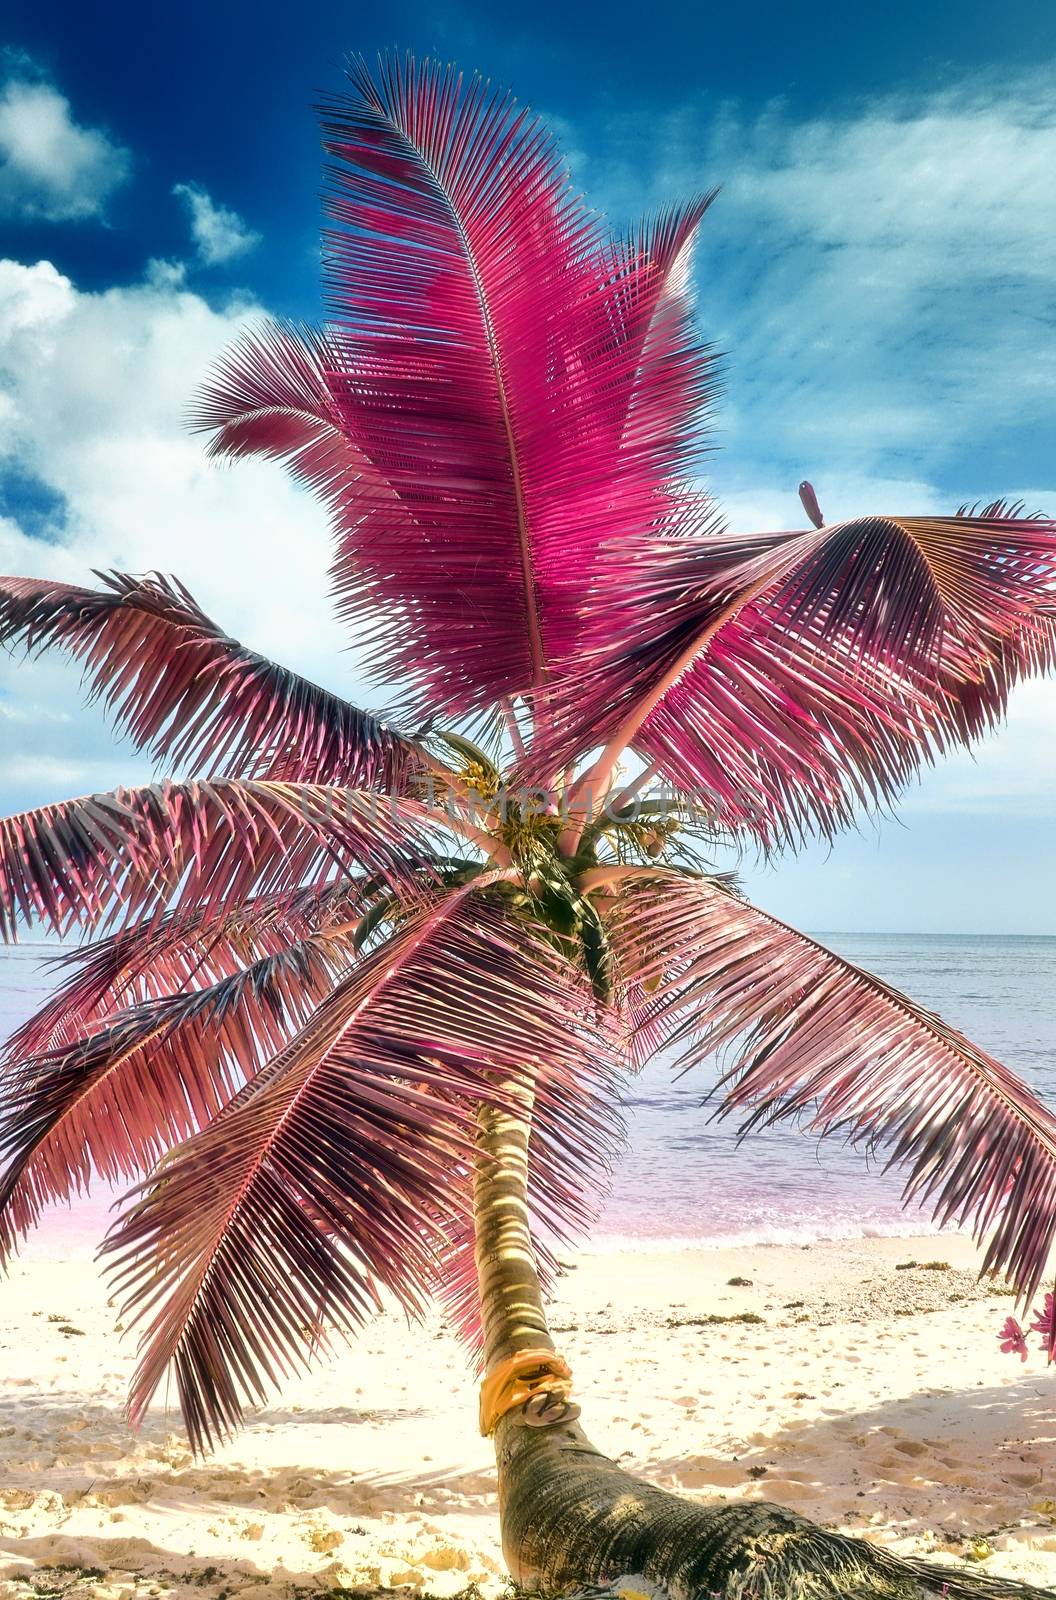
{"x": 908, "y": 1462}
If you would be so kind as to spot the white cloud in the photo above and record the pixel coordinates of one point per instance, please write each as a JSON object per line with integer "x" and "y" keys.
{"x": 51, "y": 168}
{"x": 881, "y": 281}
{"x": 903, "y": 262}
{"x": 162, "y": 273}
{"x": 219, "y": 234}
{"x": 1010, "y": 774}
{"x": 95, "y": 388}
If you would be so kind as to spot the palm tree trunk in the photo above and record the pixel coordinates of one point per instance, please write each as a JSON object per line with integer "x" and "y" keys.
{"x": 571, "y": 1516}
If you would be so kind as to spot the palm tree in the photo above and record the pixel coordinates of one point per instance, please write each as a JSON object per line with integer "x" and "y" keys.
{"x": 357, "y": 1012}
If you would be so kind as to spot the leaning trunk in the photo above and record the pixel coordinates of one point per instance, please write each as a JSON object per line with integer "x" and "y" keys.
{"x": 571, "y": 1516}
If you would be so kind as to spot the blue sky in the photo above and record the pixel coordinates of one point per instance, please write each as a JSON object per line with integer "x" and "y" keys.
{"x": 879, "y": 268}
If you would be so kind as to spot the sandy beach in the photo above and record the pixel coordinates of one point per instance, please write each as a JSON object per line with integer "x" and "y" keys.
{"x": 869, "y": 1394}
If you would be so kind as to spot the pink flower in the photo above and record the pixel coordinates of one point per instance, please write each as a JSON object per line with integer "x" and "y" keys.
{"x": 1045, "y": 1324}
{"x": 1012, "y": 1340}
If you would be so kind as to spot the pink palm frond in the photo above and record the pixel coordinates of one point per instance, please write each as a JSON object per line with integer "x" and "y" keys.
{"x": 855, "y": 670}
{"x": 454, "y": 270}
{"x": 194, "y": 697}
{"x": 271, "y": 395}
{"x": 173, "y": 954}
{"x": 793, "y": 676}
{"x": 549, "y": 374}
{"x": 825, "y": 1042}
{"x": 109, "y": 857}
{"x": 653, "y": 383}
{"x": 109, "y": 1104}
{"x": 345, "y": 1161}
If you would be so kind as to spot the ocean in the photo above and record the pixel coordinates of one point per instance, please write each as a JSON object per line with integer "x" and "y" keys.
{"x": 684, "y": 1181}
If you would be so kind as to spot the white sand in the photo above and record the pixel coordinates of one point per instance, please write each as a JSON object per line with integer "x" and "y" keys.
{"x": 910, "y": 1428}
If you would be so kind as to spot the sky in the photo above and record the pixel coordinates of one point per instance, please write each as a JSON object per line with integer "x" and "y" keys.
{"x": 878, "y": 271}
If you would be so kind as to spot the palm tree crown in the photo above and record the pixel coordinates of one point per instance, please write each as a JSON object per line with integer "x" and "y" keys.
{"x": 314, "y": 964}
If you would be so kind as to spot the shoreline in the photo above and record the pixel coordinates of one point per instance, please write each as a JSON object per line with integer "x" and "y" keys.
{"x": 74, "y": 1234}
{"x": 632, "y": 1244}
{"x": 868, "y": 1394}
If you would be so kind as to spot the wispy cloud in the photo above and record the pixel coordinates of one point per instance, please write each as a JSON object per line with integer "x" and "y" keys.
{"x": 52, "y": 168}
{"x": 219, "y": 234}
{"x": 880, "y": 278}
